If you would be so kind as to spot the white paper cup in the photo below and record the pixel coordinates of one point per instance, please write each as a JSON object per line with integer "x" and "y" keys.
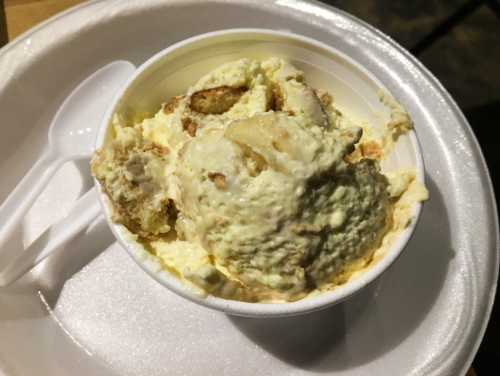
{"x": 355, "y": 90}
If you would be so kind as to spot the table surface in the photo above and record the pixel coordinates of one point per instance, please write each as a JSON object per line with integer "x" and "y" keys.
{"x": 16, "y": 16}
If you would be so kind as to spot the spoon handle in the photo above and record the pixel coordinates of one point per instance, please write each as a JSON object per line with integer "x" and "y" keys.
{"x": 20, "y": 200}
{"x": 85, "y": 210}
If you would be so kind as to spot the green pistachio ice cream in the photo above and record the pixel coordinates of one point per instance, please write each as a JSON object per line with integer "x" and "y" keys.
{"x": 252, "y": 186}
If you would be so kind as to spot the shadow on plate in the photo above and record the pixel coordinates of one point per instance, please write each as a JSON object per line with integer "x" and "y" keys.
{"x": 375, "y": 320}
{"x": 16, "y": 245}
{"x": 50, "y": 275}
{"x": 86, "y": 246}
{"x": 83, "y": 166}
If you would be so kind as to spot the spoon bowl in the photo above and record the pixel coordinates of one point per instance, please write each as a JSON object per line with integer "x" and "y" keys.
{"x": 74, "y": 128}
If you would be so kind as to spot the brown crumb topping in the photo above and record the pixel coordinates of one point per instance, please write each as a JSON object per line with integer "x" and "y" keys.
{"x": 217, "y": 100}
{"x": 354, "y": 156}
{"x": 219, "y": 179}
{"x": 159, "y": 150}
{"x": 324, "y": 96}
{"x": 189, "y": 126}
{"x": 171, "y": 105}
{"x": 371, "y": 149}
{"x": 277, "y": 101}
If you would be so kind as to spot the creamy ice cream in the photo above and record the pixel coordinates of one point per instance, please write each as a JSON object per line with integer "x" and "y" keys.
{"x": 253, "y": 186}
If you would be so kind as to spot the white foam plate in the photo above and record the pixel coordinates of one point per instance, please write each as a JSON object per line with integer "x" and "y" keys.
{"x": 91, "y": 310}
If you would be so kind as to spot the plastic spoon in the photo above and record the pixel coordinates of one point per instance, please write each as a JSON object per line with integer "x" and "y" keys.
{"x": 71, "y": 136}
